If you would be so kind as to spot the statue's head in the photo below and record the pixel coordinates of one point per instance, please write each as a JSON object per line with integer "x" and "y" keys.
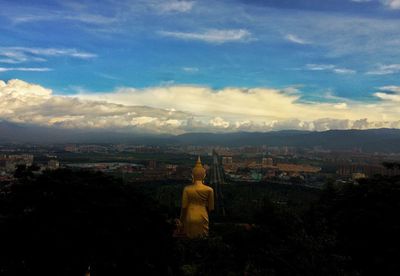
{"x": 198, "y": 172}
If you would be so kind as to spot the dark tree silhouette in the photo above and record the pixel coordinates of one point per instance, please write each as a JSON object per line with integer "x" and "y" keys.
{"x": 364, "y": 220}
{"x": 391, "y": 165}
{"x": 64, "y": 221}
{"x": 61, "y": 222}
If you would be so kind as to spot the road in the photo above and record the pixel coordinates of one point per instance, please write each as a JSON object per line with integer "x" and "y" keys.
{"x": 217, "y": 180}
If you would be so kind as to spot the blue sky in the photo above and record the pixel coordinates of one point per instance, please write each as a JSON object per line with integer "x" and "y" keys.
{"x": 328, "y": 51}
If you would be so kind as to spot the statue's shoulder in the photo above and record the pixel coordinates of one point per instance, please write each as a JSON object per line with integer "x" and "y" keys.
{"x": 188, "y": 187}
{"x": 208, "y": 187}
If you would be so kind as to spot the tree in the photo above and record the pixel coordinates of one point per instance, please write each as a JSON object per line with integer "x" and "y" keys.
{"x": 364, "y": 221}
{"x": 64, "y": 221}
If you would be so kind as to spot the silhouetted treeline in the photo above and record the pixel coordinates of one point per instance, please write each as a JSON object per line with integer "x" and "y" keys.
{"x": 61, "y": 222}
{"x": 363, "y": 219}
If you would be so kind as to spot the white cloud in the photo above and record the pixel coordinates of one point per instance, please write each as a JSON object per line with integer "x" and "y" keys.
{"x": 389, "y": 93}
{"x": 344, "y": 71}
{"x": 365, "y": 37}
{"x": 388, "y": 97}
{"x": 190, "y": 69}
{"x": 45, "y": 15}
{"x": 70, "y": 52}
{"x": 168, "y": 6}
{"x": 296, "y": 39}
{"x": 392, "y": 4}
{"x": 320, "y": 67}
{"x": 25, "y": 69}
{"x": 391, "y": 88}
{"x": 330, "y": 67}
{"x": 219, "y": 122}
{"x": 11, "y": 56}
{"x": 23, "y": 102}
{"x": 261, "y": 106}
{"x": 212, "y": 35}
{"x": 179, "y": 109}
{"x": 15, "y": 55}
{"x": 340, "y": 106}
{"x": 385, "y": 69}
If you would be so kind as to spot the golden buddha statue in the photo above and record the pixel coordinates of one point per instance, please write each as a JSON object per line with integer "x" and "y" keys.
{"x": 197, "y": 201}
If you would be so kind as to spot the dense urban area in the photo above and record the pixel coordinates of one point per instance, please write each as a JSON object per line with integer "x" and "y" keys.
{"x": 310, "y": 167}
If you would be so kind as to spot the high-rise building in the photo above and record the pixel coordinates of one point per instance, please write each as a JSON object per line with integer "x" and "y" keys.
{"x": 227, "y": 160}
{"x": 152, "y": 164}
{"x": 267, "y": 162}
{"x": 53, "y": 164}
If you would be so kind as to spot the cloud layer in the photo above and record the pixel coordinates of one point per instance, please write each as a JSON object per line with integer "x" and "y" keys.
{"x": 180, "y": 109}
{"x": 23, "y": 102}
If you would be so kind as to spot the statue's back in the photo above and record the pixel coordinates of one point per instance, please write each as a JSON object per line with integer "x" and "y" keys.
{"x": 197, "y": 199}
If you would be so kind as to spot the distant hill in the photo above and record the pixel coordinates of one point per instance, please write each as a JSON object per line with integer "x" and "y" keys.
{"x": 24, "y": 133}
{"x": 372, "y": 140}
{"x": 387, "y": 140}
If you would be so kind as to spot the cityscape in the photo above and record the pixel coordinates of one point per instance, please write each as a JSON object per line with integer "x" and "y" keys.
{"x": 264, "y": 164}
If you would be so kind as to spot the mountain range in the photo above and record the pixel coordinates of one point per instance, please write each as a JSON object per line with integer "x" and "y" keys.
{"x": 371, "y": 140}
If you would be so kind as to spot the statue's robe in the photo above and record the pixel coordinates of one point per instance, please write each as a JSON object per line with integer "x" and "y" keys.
{"x": 197, "y": 199}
